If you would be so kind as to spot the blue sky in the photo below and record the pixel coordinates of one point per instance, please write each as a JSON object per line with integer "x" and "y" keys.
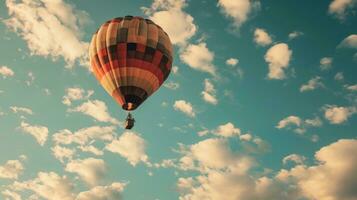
{"x": 260, "y": 104}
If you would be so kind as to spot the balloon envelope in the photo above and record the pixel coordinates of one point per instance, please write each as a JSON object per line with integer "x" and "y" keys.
{"x": 131, "y": 57}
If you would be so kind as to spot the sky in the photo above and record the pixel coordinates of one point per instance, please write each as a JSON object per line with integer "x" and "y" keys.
{"x": 261, "y": 103}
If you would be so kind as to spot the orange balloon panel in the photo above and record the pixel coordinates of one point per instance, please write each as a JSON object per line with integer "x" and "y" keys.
{"x": 131, "y": 57}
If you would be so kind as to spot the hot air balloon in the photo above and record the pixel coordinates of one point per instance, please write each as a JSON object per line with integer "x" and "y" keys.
{"x": 130, "y": 57}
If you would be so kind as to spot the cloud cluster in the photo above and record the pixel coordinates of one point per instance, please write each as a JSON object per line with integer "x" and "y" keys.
{"x": 278, "y": 57}
{"x": 297, "y": 124}
{"x": 331, "y": 178}
{"x": 16, "y": 109}
{"x": 39, "y": 24}
{"x": 91, "y": 170}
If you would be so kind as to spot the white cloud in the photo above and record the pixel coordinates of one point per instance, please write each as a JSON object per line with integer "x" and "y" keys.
{"x": 163, "y": 12}
{"x": 6, "y": 71}
{"x": 48, "y": 186}
{"x": 341, "y": 8}
{"x": 332, "y": 178}
{"x": 96, "y": 109}
{"x": 227, "y": 130}
{"x": 232, "y": 61}
{"x": 209, "y": 93}
{"x": 75, "y": 94}
{"x": 261, "y": 37}
{"x": 31, "y": 78}
{"x": 338, "y": 115}
{"x": 39, "y": 22}
{"x": 295, "y": 34}
{"x": 297, "y": 124}
{"x": 297, "y": 159}
{"x": 239, "y": 11}
{"x": 339, "y": 76}
{"x": 288, "y": 121}
{"x": 312, "y": 84}
{"x": 16, "y": 109}
{"x": 40, "y": 133}
{"x": 131, "y": 146}
{"x": 84, "y": 135}
{"x": 172, "y": 85}
{"x": 326, "y": 63}
{"x": 91, "y": 170}
{"x": 62, "y": 153}
{"x": 278, "y": 57}
{"x": 12, "y": 169}
{"x": 352, "y": 88}
{"x": 349, "y": 42}
{"x": 110, "y": 192}
{"x": 199, "y": 57}
{"x": 185, "y": 107}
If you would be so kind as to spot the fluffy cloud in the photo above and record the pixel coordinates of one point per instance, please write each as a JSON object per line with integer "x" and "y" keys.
{"x": 96, "y": 109}
{"x": 297, "y": 159}
{"x": 12, "y": 169}
{"x": 74, "y": 94}
{"x": 349, "y": 42}
{"x": 109, "y": 192}
{"x": 40, "y": 133}
{"x": 239, "y": 11}
{"x": 295, "y": 34}
{"x": 11, "y": 195}
{"x": 332, "y": 178}
{"x": 163, "y": 11}
{"x": 199, "y": 57}
{"x": 39, "y": 22}
{"x": 232, "y": 61}
{"x": 227, "y": 130}
{"x": 91, "y": 170}
{"x": 185, "y": 107}
{"x": 131, "y": 146}
{"x": 312, "y": 84}
{"x": 47, "y": 186}
{"x": 278, "y": 57}
{"x": 50, "y": 28}
{"x": 6, "y": 71}
{"x": 62, "y": 153}
{"x": 297, "y": 124}
{"x": 84, "y": 135}
{"x": 16, "y": 109}
{"x": 338, "y": 115}
{"x": 209, "y": 93}
{"x": 341, "y": 8}
{"x": 172, "y": 85}
{"x": 224, "y": 175}
{"x": 261, "y": 37}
